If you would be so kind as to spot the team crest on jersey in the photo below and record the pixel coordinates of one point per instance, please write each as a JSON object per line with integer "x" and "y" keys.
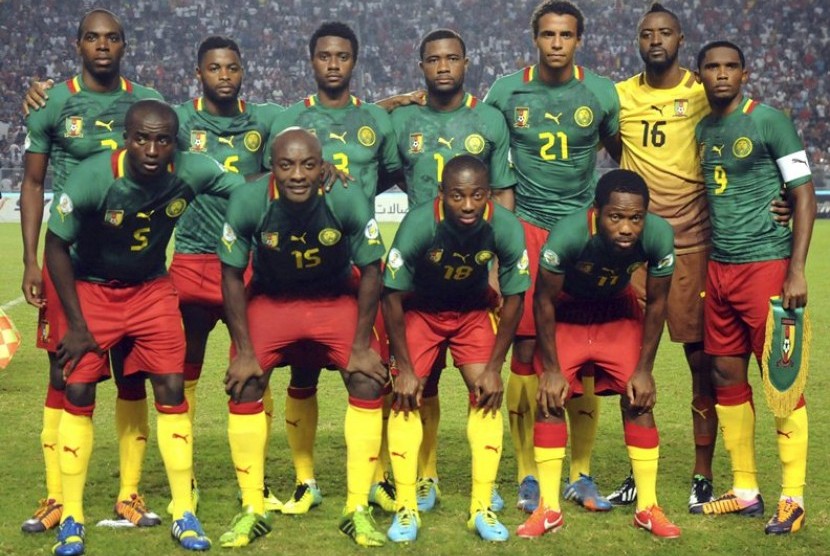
{"x": 228, "y": 236}
{"x": 681, "y": 107}
{"x": 175, "y": 208}
{"x": 633, "y": 266}
{"x": 198, "y": 141}
{"x": 252, "y": 141}
{"x": 372, "y": 232}
{"x": 583, "y": 116}
{"x": 271, "y": 240}
{"x": 366, "y": 136}
{"x": 521, "y": 116}
{"x": 666, "y": 261}
{"x": 523, "y": 266}
{"x": 416, "y": 143}
{"x": 483, "y": 257}
{"x": 550, "y": 257}
{"x": 474, "y": 143}
{"x": 74, "y": 127}
{"x": 329, "y": 236}
{"x": 114, "y": 217}
{"x": 65, "y": 206}
{"x": 394, "y": 262}
{"x": 585, "y": 267}
{"x": 435, "y": 255}
{"x": 742, "y": 147}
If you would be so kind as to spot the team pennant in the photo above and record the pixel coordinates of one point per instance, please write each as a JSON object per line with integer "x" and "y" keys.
{"x": 9, "y": 340}
{"x": 786, "y": 358}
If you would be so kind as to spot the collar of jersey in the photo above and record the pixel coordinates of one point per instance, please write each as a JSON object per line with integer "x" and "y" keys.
{"x": 199, "y": 104}
{"x": 313, "y": 100}
{"x": 76, "y": 85}
{"x": 118, "y": 162}
{"x": 531, "y": 73}
{"x": 274, "y": 192}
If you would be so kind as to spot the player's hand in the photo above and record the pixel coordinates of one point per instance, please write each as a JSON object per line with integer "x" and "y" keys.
{"x": 418, "y": 96}
{"x": 641, "y": 392}
{"x": 489, "y": 391}
{"x": 368, "y": 362}
{"x": 243, "y": 368}
{"x": 33, "y": 286}
{"x": 794, "y": 292}
{"x": 781, "y": 210}
{"x": 332, "y": 174}
{"x": 552, "y": 393}
{"x": 36, "y": 95}
{"x": 407, "y": 392}
{"x": 75, "y": 344}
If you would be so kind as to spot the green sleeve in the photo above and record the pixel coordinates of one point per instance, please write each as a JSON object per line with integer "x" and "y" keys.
{"x": 514, "y": 272}
{"x": 610, "y": 102}
{"x": 353, "y": 210}
{"x": 565, "y": 242}
{"x": 82, "y": 194}
{"x": 390, "y": 158}
{"x": 782, "y": 140}
{"x": 658, "y": 243}
{"x": 411, "y": 242}
{"x": 40, "y": 124}
{"x": 245, "y": 210}
{"x": 501, "y": 174}
{"x": 206, "y": 175}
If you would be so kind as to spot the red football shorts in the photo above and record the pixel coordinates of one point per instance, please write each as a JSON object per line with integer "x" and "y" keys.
{"x": 737, "y": 304}
{"x": 147, "y": 313}
{"x": 198, "y": 281}
{"x": 51, "y": 318}
{"x": 535, "y": 238}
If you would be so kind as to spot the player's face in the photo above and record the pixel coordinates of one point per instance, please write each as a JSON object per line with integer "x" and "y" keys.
{"x": 659, "y": 39}
{"x": 621, "y": 220}
{"x": 557, "y": 40}
{"x": 444, "y": 66}
{"x": 297, "y": 167}
{"x": 465, "y": 194}
{"x": 333, "y": 62}
{"x": 722, "y": 75}
{"x": 151, "y": 145}
{"x": 101, "y": 47}
{"x": 221, "y": 75}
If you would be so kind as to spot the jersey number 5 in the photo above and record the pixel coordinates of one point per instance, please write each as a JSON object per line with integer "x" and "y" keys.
{"x": 140, "y": 237}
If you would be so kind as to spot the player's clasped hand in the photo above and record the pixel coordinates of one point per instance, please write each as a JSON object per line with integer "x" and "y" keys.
{"x": 368, "y": 362}
{"x": 794, "y": 291}
{"x": 407, "y": 391}
{"x": 553, "y": 391}
{"x": 489, "y": 391}
{"x": 641, "y": 392}
{"x": 74, "y": 345}
{"x": 243, "y": 368}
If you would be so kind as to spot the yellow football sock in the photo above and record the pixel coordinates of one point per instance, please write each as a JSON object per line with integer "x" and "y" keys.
{"x": 792, "y": 433}
{"x": 132, "y": 429}
{"x": 175, "y": 436}
{"x": 738, "y": 425}
{"x": 383, "y": 467}
{"x": 301, "y": 430}
{"x": 405, "y": 437}
{"x": 521, "y": 408}
{"x": 268, "y": 406}
{"x": 51, "y": 456}
{"x": 583, "y": 419}
{"x": 362, "y": 430}
{"x": 247, "y": 437}
{"x": 484, "y": 433}
{"x": 644, "y": 467}
{"x": 549, "y": 463}
{"x": 190, "y": 396}
{"x": 74, "y": 448}
{"x": 430, "y": 411}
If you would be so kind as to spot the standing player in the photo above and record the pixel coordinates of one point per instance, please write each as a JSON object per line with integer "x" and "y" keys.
{"x": 357, "y": 138}
{"x": 558, "y": 113}
{"x": 586, "y": 312}
{"x": 453, "y": 122}
{"x": 437, "y": 296}
{"x": 84, "y": 116}
{"x": 117, "y": 213}
{"x": 304, "y": 306}
{"x": 748, "y": 151}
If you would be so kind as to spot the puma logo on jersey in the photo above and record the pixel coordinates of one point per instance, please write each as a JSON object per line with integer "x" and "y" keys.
{"x": 300, "y": 238}
{"x": 657, "y": 108}
{"x": 549, "y": 116}
{"x": 181, "y": 437}
{"x": 718, "y": 149}
{"x": 784, "y": 434}
{"x": 50, "y": 446}
{"x": 146, "y": 215}
{"x": 462, "y": 257}
{"x": 107, "y": 125}
{"x": 446, "y": 142}
{"x": 226, "y": 140}
{"x": 341, "y": 137}
{"x": 73, "y": 451}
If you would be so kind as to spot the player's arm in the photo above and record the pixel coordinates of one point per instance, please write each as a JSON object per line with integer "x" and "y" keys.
{"x": 489, "y": 388}
{"x": 407, "y": 388}
{"x": 363, "y": 359}
{"x": 418, "y": 96}
{"x": 36, "y": 95}
{"x": 794, "y": 291}
{"x": 641, "y": 391}
{"x": 553, "y": 388}
{"x": 506, "y": 197}
{"x": 613, "y": 144}
{"x": 244, "y": 366}
{"x": 31, "y": 220}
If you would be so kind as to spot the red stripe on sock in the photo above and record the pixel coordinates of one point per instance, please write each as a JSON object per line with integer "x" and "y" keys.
{"x": 82, "y": 411}
{"x": 550, "y": 435}
{"x": 246, "y": 408}
{"x": 734, "y": 395}
{"x": 801, "y": 403}
{"x": 366, "y": 404}
{"x": 192, "y": 371}
{"x": 54, "y": 398}
{"x": 301, "y": 393}
{"x": 172, "y": 409}
{"x": 520, "y": 367}
{"x": 132, "y": 392}
{"x": 640, "y": 437}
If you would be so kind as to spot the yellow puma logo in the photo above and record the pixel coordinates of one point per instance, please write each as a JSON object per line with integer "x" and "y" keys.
{"x": 300, "y": 238}
{"x": 462, "y": 257}
{"x": 107, "y": 125}
{"x": 226, "y": 140}
{"x": 341, "y": 137}
{"x": 549, "y": 116}
{"x": 446, "y": 142}
{"x": 718, "y": 149}
{"x": 146, "y": 215}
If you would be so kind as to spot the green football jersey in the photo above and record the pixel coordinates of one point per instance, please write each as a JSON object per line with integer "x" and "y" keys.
{"x": 357, "y": 138}
{"x": 747, "y": 157}
{"x": 554, "y": 135}
{"x": 304, "y": 250}
{"x": 120, "y": 229}
{"x": 592, "y": 269}
{"x": 238, "y": 143}
{"x": 447, "y": 267}
{"x": 428, "y": 139}
{"x": 77, "y": 123}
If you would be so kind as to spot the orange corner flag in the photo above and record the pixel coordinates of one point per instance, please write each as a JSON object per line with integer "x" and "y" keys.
{"x": 9, "y": 340}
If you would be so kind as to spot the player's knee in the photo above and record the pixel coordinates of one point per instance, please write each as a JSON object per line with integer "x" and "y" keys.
{"x": 81, "y": 394}
{"x": 362, "y": 387}
{"x": 304, "y": 378}
{"x": 168, "y": 389}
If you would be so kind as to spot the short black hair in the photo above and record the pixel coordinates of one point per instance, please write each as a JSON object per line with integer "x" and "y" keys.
{"x": 658, "y": 8}
{"x": 558, "y": 7}
{"x": 333, "y": 29}
{"x": 151, "y": 105}
{"x": 720, "y": 44}
{"x": 465, "y": 162}
{"x": 216, "y": 42}
{"x": 105, "y": 12}
{"x": 440, "y": 34}
{"x": 620, "y": 181}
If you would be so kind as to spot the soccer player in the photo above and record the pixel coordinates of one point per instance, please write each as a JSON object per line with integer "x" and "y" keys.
{"x": 748, "y": 151}
{"x": 437, "y": 295}
{"x": 305, "y": 305}
{"x": 557, "y": 113}
{"x": 223, "y": 126}
{"x": 105, "y": 250}
{"x": 83, "y": 117}
{"x": 453, "y": 122}
{"x": 357, "y": 138}
{"x": 586, "y": 312}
